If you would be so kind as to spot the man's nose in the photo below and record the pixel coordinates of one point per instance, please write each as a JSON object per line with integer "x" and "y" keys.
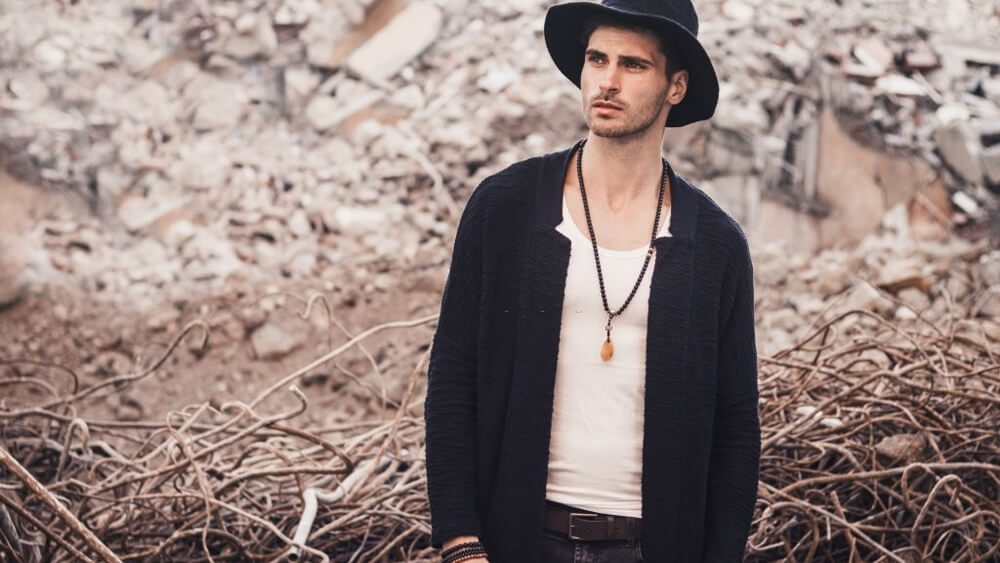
{"x": 609, "y": 80}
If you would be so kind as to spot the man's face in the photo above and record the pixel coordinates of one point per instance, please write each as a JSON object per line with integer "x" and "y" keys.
{"x": 624, "y": 83}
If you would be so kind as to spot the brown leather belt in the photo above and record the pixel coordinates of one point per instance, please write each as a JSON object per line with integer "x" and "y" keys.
{"x": 590, "y": 526}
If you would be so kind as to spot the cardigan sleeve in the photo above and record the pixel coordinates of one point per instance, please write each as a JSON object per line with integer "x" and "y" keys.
{"x": 449, "y": 408}
{"x": 734, "y": 465}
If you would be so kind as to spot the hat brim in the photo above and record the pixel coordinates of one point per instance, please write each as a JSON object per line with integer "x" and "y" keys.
{"x": 563, "y": 38}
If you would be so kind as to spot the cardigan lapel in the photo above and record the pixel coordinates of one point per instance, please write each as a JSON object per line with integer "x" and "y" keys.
{"x": 523, "y": 470}
{"x": 671, "y": 382}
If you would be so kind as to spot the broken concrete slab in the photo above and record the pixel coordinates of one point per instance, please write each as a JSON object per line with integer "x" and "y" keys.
{"x": 874, "y": 53}
{"x": 960, "y": 149}
{"x": 991, "y": 164}
{"x": 405, "y": 37}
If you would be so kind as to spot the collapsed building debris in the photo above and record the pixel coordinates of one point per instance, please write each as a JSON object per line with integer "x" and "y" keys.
{"x": 240, "y": 134}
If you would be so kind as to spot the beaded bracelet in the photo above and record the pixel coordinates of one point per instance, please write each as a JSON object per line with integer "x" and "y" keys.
{"x": 463, "y": 552}
{"x": 459, "y": 546}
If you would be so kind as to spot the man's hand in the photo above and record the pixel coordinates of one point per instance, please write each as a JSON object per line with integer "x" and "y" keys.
{"x": 464, "y": 539}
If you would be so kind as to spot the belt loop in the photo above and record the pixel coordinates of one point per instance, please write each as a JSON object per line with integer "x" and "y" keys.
{"x": 609, "y": 524}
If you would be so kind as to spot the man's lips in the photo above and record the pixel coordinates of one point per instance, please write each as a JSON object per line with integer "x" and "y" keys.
{"x": 606, "y": 106}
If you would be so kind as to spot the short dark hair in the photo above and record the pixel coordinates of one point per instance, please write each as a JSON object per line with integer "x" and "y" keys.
{"x": 674, "y": 60}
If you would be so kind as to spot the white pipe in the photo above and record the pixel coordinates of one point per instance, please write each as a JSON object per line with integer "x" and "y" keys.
{"x": 312, "y": 498}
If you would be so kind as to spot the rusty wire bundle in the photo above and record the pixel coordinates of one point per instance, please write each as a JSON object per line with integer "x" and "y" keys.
{"x": 211, "y": 483}
{"x": 880, "y": 444}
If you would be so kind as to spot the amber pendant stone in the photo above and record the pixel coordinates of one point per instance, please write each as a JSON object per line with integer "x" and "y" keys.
{"x": 607, "y": 350}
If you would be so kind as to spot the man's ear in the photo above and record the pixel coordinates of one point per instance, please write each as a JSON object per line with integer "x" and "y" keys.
{"x": 678, "y": 87}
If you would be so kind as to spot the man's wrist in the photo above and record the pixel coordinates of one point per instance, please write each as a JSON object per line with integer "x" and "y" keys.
{"x": 459, "y": 540}
{"x": 461, "y": 549}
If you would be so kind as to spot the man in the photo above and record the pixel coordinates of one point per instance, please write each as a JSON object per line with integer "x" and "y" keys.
{"x": 592, "y": 390}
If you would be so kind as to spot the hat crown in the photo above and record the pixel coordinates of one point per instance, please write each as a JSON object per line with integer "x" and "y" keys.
{"x": 680, "y": 11}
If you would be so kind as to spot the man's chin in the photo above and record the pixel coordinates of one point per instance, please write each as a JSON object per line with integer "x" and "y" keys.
{"x": 609, "y": 131}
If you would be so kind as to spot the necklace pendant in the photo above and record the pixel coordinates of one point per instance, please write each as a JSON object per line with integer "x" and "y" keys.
{"x": 607, "y": 350}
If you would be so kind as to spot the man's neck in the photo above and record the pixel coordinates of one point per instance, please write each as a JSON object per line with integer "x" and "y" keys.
{"x": 619, "y": 171}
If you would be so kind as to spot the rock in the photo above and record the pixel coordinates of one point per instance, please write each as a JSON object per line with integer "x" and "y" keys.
{"x": 738, "y": 11}
{"x": 899, "y": 85}
{"x": 862, "y": 296}
{"x": 137, "y": 212}
{"x": 326, "y": 112}
{"x": 29, "y": 89}
{"x": 299, "y": 225}
{"x": 255, "y": 37}
{"x": 992, "y": 330}
{"x": 832, "y": 280}
{"x": 990, "y": 307}
{"x": 989, "y": 268}
{"x": 163, "y": 317}
{"x": 357, "y": 221}
{"x": 960, "y": 150}
{"x": 251, "y": 317}
{"x": 301, "y": 265}
{"x": 921, "y": 58}
{"x": 407, "y": 35}
{"x": 991, "y": 164}
{"x": 48, "y": 55}
{"x": 991, "y": 89}
{"x": 897, "y": 271}
{"x": 112, "y": 181}
{"x": 965, "y": 202}
{"x": 12, "y": 288}
{"x": 950, "y": 113}
{"x": 873, "y": 53}
{"x": 901, "y": 448}
{"x": 219, "y": 104}
{"x": 915, "y": 299}
{"x": 498, "y": 78}
{"x": 793, "y": 57}
{"x": 271, "y": 342}
{"x": 300, "y": 83}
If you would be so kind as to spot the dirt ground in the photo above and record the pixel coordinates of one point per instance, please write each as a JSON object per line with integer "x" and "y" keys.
{"x": 55, "y": 328}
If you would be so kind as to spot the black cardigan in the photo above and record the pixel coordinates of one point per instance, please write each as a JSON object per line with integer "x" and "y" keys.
{"x": 493, "y": 363}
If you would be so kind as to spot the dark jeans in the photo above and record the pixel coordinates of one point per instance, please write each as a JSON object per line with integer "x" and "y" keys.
{"x": 558, "y": 548}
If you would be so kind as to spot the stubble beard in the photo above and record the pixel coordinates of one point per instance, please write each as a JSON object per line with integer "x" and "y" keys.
{"x": 646, "y": 116}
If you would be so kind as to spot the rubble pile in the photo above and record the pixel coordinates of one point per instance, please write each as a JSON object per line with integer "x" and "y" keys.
{"x": 952, "y": 284}
{"x": 842, "y": 110}
{"x": 304, "y": 139}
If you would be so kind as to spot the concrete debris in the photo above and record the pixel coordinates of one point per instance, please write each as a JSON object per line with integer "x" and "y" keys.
{"x": 738, "y": 11}
{"x": 901, "y": 448}
{"x": 395, "y": 45}
{"x": 965, "y": 202}
{"x": 960, "y": 150}
{"x": 301, "y": 138}
{"x": 271, "y": 342}
{"x": 873, "y": 53}
{"x": 991, "y": 164}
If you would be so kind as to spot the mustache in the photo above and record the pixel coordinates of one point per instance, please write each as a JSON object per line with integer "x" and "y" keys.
{"x": 605, "y": 98}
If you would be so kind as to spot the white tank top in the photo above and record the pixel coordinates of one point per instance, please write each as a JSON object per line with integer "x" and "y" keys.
{"x": 595, "y": 451}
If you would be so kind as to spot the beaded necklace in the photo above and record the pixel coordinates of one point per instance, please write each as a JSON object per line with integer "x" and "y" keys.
{"x": 608, "y": 349}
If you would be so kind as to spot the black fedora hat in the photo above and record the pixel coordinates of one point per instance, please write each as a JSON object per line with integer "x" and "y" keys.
{"x": 674, "y": 20}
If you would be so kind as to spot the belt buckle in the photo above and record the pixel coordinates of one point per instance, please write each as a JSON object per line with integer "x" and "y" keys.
{"x": 572, "y": 515}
